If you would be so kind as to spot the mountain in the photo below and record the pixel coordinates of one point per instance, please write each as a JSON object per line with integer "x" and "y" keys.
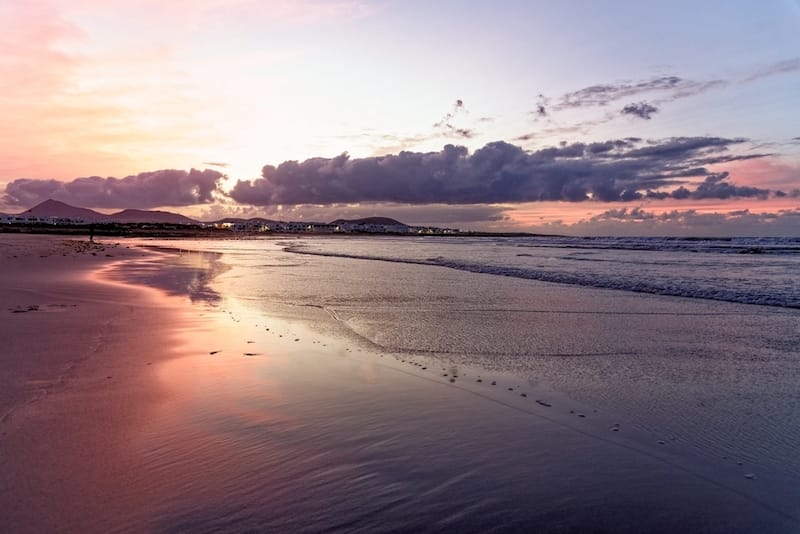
{"x": 54, "y": 208}
{"x": 386, "y": 221}
{"x": 151, "y": 216}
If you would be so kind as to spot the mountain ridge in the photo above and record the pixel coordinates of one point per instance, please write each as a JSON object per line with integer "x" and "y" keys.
{"x": 55, "y": 208}
{"x": 51, "y": 208}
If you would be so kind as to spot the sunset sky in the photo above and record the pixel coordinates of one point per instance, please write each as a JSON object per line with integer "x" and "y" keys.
{"x": 584, "y": 117}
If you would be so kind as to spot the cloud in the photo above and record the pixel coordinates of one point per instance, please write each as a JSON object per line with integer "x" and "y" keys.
{"x": 670, "y": 87}
{"x": 602, "y": 94}
{"x": 660, "y": 90}
{"x": 615, "y": 170}
{"x": 445, "y": 124}
{"x": 542, "y": 104}
{"x": 780, "y": 67}
{"x": 715, "y": 186}
{"x": 639, "y": 222}
{"x": 216, "y": 164}
{"x": 446, "y": 127}
{"x": 643, "y": 110}
{"x": 145, "y": 190}
{"x": 794, "y": 193}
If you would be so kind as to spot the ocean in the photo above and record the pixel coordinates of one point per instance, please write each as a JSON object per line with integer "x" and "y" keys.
{"x": 541, "y": 383}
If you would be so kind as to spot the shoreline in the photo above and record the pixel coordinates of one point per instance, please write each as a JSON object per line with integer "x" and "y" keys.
{"x": 253, "y": 421}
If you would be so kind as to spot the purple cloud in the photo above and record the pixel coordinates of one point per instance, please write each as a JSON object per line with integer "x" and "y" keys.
{"x": 445, "y": 124}
{"x": 144, "y": 191}
{"x": 499, "y": 172}
{"x": 643, "y": 110}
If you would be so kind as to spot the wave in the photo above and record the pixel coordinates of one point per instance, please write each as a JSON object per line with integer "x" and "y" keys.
{"x": 733, "y": 245}
{"x": 677, "y": 287}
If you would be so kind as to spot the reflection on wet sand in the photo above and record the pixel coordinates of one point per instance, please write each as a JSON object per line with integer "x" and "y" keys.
{"x": 177, "y": 272}
{"x": 279, "y": 421}
{"x": 301, "y": 438}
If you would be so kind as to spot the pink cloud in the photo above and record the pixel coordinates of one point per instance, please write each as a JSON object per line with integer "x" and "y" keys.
{"x": 120, "y": 86}
{"x": 774, "y": 173}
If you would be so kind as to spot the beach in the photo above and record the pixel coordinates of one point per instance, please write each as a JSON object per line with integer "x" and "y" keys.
{"x": 239, "y": 387}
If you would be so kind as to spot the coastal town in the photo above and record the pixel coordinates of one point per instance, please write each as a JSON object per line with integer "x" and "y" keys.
{"x": 52, "y": 213}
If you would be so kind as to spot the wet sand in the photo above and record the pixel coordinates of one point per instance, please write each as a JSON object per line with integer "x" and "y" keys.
{"x": 78, "y": 358}
{"x": 126, "y": 408}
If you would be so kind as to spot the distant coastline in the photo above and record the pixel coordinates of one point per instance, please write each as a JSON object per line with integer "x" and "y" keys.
{"x": 194, "y": 231}
{"x": 53, "y": 216}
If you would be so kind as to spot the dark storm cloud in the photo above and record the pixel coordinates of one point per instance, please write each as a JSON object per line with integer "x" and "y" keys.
{"x": 615, "y": 170}
{"x": 145, "y": 190}
{"x": 643, "y": 110}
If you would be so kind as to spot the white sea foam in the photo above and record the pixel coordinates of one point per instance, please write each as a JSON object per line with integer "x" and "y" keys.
{"x": 759, "y": 271}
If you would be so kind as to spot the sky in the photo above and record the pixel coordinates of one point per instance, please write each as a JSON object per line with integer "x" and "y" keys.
{"x": 606, "y": 117}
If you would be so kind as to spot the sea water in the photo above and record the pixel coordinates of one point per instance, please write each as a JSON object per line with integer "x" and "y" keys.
{"x": 690, "y": 349}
